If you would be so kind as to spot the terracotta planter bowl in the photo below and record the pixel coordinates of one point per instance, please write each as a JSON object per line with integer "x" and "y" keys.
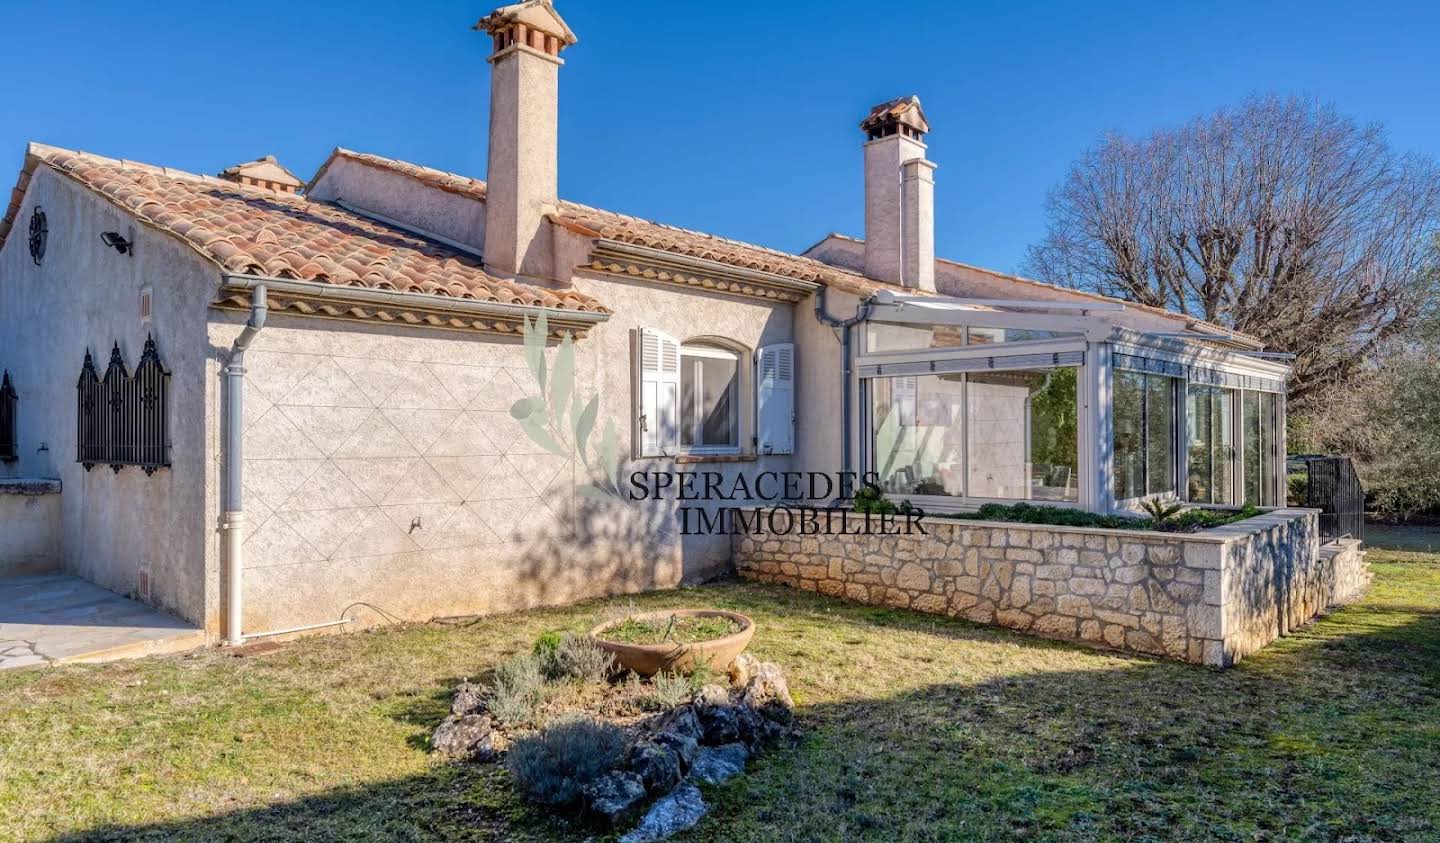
{"x": 650, "y": 659}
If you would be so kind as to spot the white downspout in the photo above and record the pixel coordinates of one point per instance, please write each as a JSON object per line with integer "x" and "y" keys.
{"x": 233, "y": 521}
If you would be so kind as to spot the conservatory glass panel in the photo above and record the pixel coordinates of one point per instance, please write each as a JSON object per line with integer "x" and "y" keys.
{"x": 1208, "y": 412}
{"x": 917, "y": 438}
{"x": 1022, "y": 428}
{"x": 887, "y": 336}
{"x": 1129, "y": 434}
{"x": 1159, "y": 434}
{"x": 987, "y": 336}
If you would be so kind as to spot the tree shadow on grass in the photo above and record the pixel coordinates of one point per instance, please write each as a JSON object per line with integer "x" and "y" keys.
{"x": 1327, "y": 736}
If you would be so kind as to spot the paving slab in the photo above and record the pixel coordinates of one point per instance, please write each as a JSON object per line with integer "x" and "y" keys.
{"x": 55, "y": 618}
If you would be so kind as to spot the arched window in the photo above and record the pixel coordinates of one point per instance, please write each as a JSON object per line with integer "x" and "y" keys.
{"x": 709, "y": 406}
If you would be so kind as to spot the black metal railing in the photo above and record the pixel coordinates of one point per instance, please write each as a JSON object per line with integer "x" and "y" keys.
{"x": 122, "y": 419}
{"x": 1332, "y": 486}
{"x": 9, "y": 438}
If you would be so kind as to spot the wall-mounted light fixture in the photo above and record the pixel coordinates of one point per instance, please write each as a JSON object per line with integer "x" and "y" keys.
{"x": 114, "y": 240}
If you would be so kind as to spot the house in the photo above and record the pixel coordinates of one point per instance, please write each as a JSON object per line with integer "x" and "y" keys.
{"x": 276, "y": 406}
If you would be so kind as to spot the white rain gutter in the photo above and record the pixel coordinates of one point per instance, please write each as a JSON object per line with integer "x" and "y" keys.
{"x": 232, "y": 523}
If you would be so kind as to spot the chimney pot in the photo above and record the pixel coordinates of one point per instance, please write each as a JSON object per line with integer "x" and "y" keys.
{"x": 522, "y": 171}
{"x": 899, "y": 195}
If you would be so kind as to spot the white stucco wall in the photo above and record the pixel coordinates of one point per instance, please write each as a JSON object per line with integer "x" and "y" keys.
{"x": 400, "y": 197}
{"x": 85, "y": 295}
{"x": 354, "y": 431}
{"x": 29, "y": 527}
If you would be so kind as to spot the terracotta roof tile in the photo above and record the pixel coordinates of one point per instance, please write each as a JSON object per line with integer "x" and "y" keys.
{"x": 593, "y": 222}
{"x": 257, "y": 231}
{"x": 697, "y": 244}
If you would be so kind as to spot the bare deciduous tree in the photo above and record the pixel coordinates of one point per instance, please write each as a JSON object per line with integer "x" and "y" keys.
{"x": 1280, "y": 218}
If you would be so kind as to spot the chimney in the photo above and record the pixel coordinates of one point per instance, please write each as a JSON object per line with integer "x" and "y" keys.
{"x": 521, "y": 173}
{"x": 899, "y": 195}
{"x": 265, "y": 173}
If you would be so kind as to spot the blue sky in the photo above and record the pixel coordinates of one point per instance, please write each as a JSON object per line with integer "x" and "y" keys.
{"x": 737, "y": 118}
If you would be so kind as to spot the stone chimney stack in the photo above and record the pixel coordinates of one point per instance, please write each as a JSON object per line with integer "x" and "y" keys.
{"x": 522, "y": 170}
{"x": 899, "y": 195}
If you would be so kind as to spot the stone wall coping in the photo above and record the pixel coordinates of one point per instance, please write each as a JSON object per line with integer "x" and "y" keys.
{"x": 29, "y": 486}
{"x": 1215, "y": 535}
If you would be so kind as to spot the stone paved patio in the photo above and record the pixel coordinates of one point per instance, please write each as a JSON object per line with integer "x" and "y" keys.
{"x": 53, "y": 618}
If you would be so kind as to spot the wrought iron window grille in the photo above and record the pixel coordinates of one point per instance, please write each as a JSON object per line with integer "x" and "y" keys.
{"x": 123, "y": 419}
{"x": 9, "y": 439}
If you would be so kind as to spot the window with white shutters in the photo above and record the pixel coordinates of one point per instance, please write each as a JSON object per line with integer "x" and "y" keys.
{"x": 775, "y": 399}
{"x": 657, "y": 431}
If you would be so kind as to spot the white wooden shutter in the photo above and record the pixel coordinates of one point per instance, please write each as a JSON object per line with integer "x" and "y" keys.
{"x": 775, "y": 398}
{"x": 659, "y": 361}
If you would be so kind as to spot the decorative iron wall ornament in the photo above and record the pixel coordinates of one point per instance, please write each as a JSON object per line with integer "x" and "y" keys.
{"x": 39, "y": 235}
{"x": 123, "y": 419}
{"x": 9, "y": 440}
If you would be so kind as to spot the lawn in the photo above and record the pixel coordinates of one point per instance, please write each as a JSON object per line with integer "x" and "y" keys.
{"x": 917, "y": 728}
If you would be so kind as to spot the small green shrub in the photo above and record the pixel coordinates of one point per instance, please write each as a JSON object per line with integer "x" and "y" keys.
{"x": 553, "y": 765}
{"x": 517, "y": 690}
{"x": 1025, "y": 513}
{"x": 872, "y": 500}
{"x": 680, "y": 630}
{"x": 577, "y": 657}
{"x": 669, "y": 689}
{"x": 547, "y": 644}
{"x": 1161, "y": 511}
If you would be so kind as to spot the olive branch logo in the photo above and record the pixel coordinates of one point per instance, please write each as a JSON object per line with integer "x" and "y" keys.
{"x": 560, "y": 421}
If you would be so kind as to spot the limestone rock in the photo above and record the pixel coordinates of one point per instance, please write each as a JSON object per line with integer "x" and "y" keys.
{"x": 742, "y": 669}
{"x": 465, "y": 736}
{"x": 717, "y": 715}
{"x": 469, "y": 699}
{"x": 769, "y": 694}
{"x": 679, "y": 810}
{"x": 684, "y": 744}
{"x": 720, "y": 764}
{"x": 615, "y": 797}
{"x": 658, "y": 766}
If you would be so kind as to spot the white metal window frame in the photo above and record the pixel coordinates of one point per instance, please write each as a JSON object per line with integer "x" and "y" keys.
{"x": 1179, "y": 389}
{"x": 967, "y": 502}
{"x": 697, "y": 423}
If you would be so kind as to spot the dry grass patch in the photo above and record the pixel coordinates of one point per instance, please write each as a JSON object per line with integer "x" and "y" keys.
{"x": 917, "y": 728}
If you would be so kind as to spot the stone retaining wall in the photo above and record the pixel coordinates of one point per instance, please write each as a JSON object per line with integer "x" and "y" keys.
{"x": 29, "y": 526}
{"x": 1196, "y": 597}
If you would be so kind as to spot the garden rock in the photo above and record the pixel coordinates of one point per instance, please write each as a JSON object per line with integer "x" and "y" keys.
{"x": 769, "y": 694}
{"x": 717, "y": 715}
{"x": 742, "y": 669}
{"x": 683, "y": 744}
{"x": 720, "y": 764}
{"x": 616, "y": 796}
{"x": 467, "y": 736}
{"x": 469, "y": 699}
{"x": 681, "y": 720}
{"x": 681, "y": 809}
{"x": 658, "y": 766}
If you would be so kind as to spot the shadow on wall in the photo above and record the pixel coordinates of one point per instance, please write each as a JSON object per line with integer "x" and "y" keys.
{"x": 1327, "y": 734}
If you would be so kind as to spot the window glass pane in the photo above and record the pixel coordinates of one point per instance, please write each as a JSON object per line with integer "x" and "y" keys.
{"x": 709, "y": 407}
{"x": 1222, "y": 477}
{"x": 1129, "y": 434}
{"x": 1198, "y": 422}
{"x": 1159, "y": 434}
{"x": 883, "y": 336}
{"x": 1022, "y": 435}
{"x": 1251, "y": 444}
{"x": 1270, "y": 456}
{"x": 917, "y": 435}
{"x": 986, "y": 336}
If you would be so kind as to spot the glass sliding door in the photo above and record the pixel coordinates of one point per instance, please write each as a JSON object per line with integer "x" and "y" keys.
{"x": 1260, "y": 446}
{"x": 1009, "y": 434}
{"x": 917, "y": 441}
{"x": 1210, "y": 451}
{"x": 1023, "y": 430}
{"x": 1144, "y": 419}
